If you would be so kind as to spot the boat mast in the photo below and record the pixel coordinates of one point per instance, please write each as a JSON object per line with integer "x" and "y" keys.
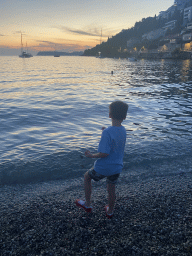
{"x": 21, "y": 44}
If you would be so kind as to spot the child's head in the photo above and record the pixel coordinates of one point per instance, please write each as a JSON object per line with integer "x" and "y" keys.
{"x": 118, "y": 110}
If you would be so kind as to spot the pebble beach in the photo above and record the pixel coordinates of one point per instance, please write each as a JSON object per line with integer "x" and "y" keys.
{"x": 153, "y": 216}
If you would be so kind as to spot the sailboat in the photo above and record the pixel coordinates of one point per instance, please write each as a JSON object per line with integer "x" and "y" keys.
{"x": 56, "y": 54}
{"x": 24, "y": 54}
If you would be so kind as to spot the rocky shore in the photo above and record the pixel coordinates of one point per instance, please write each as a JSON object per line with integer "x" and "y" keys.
{"x": 153, "y": 217}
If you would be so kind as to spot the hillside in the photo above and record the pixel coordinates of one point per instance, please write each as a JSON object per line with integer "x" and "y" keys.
{"x": 117, "y": 45}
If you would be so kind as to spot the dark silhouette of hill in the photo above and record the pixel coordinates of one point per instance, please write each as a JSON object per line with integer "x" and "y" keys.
{"x": 115, "y": 45}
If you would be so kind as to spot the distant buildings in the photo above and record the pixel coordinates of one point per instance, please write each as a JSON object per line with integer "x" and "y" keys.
{"x": 180, "y": 4}
{"x": 182, "y": 40}
{"x": 189, "y": 26}
{"x": 187, "y": 16}
{"x": 168, "y": 13}
{"x": 187, "y": 37}
{"x": 170, "y": 25}
{"x": 154, "y": 34}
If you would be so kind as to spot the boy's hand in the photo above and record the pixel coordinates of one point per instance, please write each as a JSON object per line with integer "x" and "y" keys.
{"x": 88, "y": 154}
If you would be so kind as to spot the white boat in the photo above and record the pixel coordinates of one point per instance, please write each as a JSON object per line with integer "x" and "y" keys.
{"x": 132, "y": 59}
{"x": 56, "y": 54}
{"x": 24, "y": 54}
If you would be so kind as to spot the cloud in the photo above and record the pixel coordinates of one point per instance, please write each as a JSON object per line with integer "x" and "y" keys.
{"x": 69, "y": 46}
{"x": 93, "y": 32}
{"x": 90, "y": 32}
{"x": 45, "y": 42}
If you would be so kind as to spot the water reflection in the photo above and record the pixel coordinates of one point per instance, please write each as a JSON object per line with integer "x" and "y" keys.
{"x": 185, "y": 70}
{"x": 160, "y": 95}
{"x": 68, "y": 100}
{"x": 52, "y": 109}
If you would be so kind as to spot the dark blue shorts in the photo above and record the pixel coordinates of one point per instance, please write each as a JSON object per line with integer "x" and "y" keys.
{"x": 96, "y": 176}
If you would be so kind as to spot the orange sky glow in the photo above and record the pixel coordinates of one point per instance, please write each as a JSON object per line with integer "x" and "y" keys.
{"x": 64, "y": 25}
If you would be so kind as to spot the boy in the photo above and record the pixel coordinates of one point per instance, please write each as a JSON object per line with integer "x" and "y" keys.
{"x": 110, "y": 154}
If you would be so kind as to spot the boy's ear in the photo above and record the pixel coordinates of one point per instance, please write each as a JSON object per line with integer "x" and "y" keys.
{"x": 109, "y": 115}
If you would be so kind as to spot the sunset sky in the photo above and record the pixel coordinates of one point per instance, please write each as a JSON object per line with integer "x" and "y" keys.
{"x": 68, "y": 25}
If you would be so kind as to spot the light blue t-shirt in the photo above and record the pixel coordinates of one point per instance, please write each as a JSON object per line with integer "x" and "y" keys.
{"x": 113, "y": 143}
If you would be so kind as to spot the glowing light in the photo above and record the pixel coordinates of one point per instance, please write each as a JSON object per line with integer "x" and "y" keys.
{"x": 187, "y": 47}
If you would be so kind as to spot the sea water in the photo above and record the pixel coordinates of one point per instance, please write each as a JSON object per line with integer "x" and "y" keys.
{"x": 53, "y": 109}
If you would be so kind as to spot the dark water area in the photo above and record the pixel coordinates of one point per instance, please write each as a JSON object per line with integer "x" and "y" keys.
{"x": 52, "y": 110}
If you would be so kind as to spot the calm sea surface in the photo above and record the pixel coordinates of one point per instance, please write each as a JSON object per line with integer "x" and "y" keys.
{"x": 52, "y": 109}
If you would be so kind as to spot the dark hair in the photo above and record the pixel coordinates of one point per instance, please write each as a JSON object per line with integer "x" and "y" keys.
{"x": 118, "y": 110}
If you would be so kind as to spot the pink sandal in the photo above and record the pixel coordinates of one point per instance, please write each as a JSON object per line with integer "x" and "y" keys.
{"x": 81, "y": 203}
{"x": 109, "y": 216}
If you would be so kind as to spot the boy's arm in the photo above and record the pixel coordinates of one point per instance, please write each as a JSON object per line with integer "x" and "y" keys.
{"x": 97, "y": 155}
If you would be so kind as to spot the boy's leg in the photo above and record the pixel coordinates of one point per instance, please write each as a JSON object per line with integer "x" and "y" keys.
{"x": 111, "y": 197}
{"x": 87, "y": 188}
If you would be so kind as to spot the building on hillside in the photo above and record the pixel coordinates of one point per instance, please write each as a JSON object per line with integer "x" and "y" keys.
{"x": 163, "y": 14}
{"x": 187, "y": 37}
{"x": 170, "y": 25}
{"x": 168, "y": 13}
{"x": 176, "y": 38}
{"x": 169, "y": 47}
{"x": 189, "y": 26}
{"x": 154, "y": 34}
{"x": 187, "y": 47}
{"x": 180, "y": 4}
{"x": 187, "y": 14}
{"x": 170, "y": 42}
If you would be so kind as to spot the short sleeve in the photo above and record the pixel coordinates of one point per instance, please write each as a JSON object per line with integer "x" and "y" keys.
{"x": 105, "y": 143}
